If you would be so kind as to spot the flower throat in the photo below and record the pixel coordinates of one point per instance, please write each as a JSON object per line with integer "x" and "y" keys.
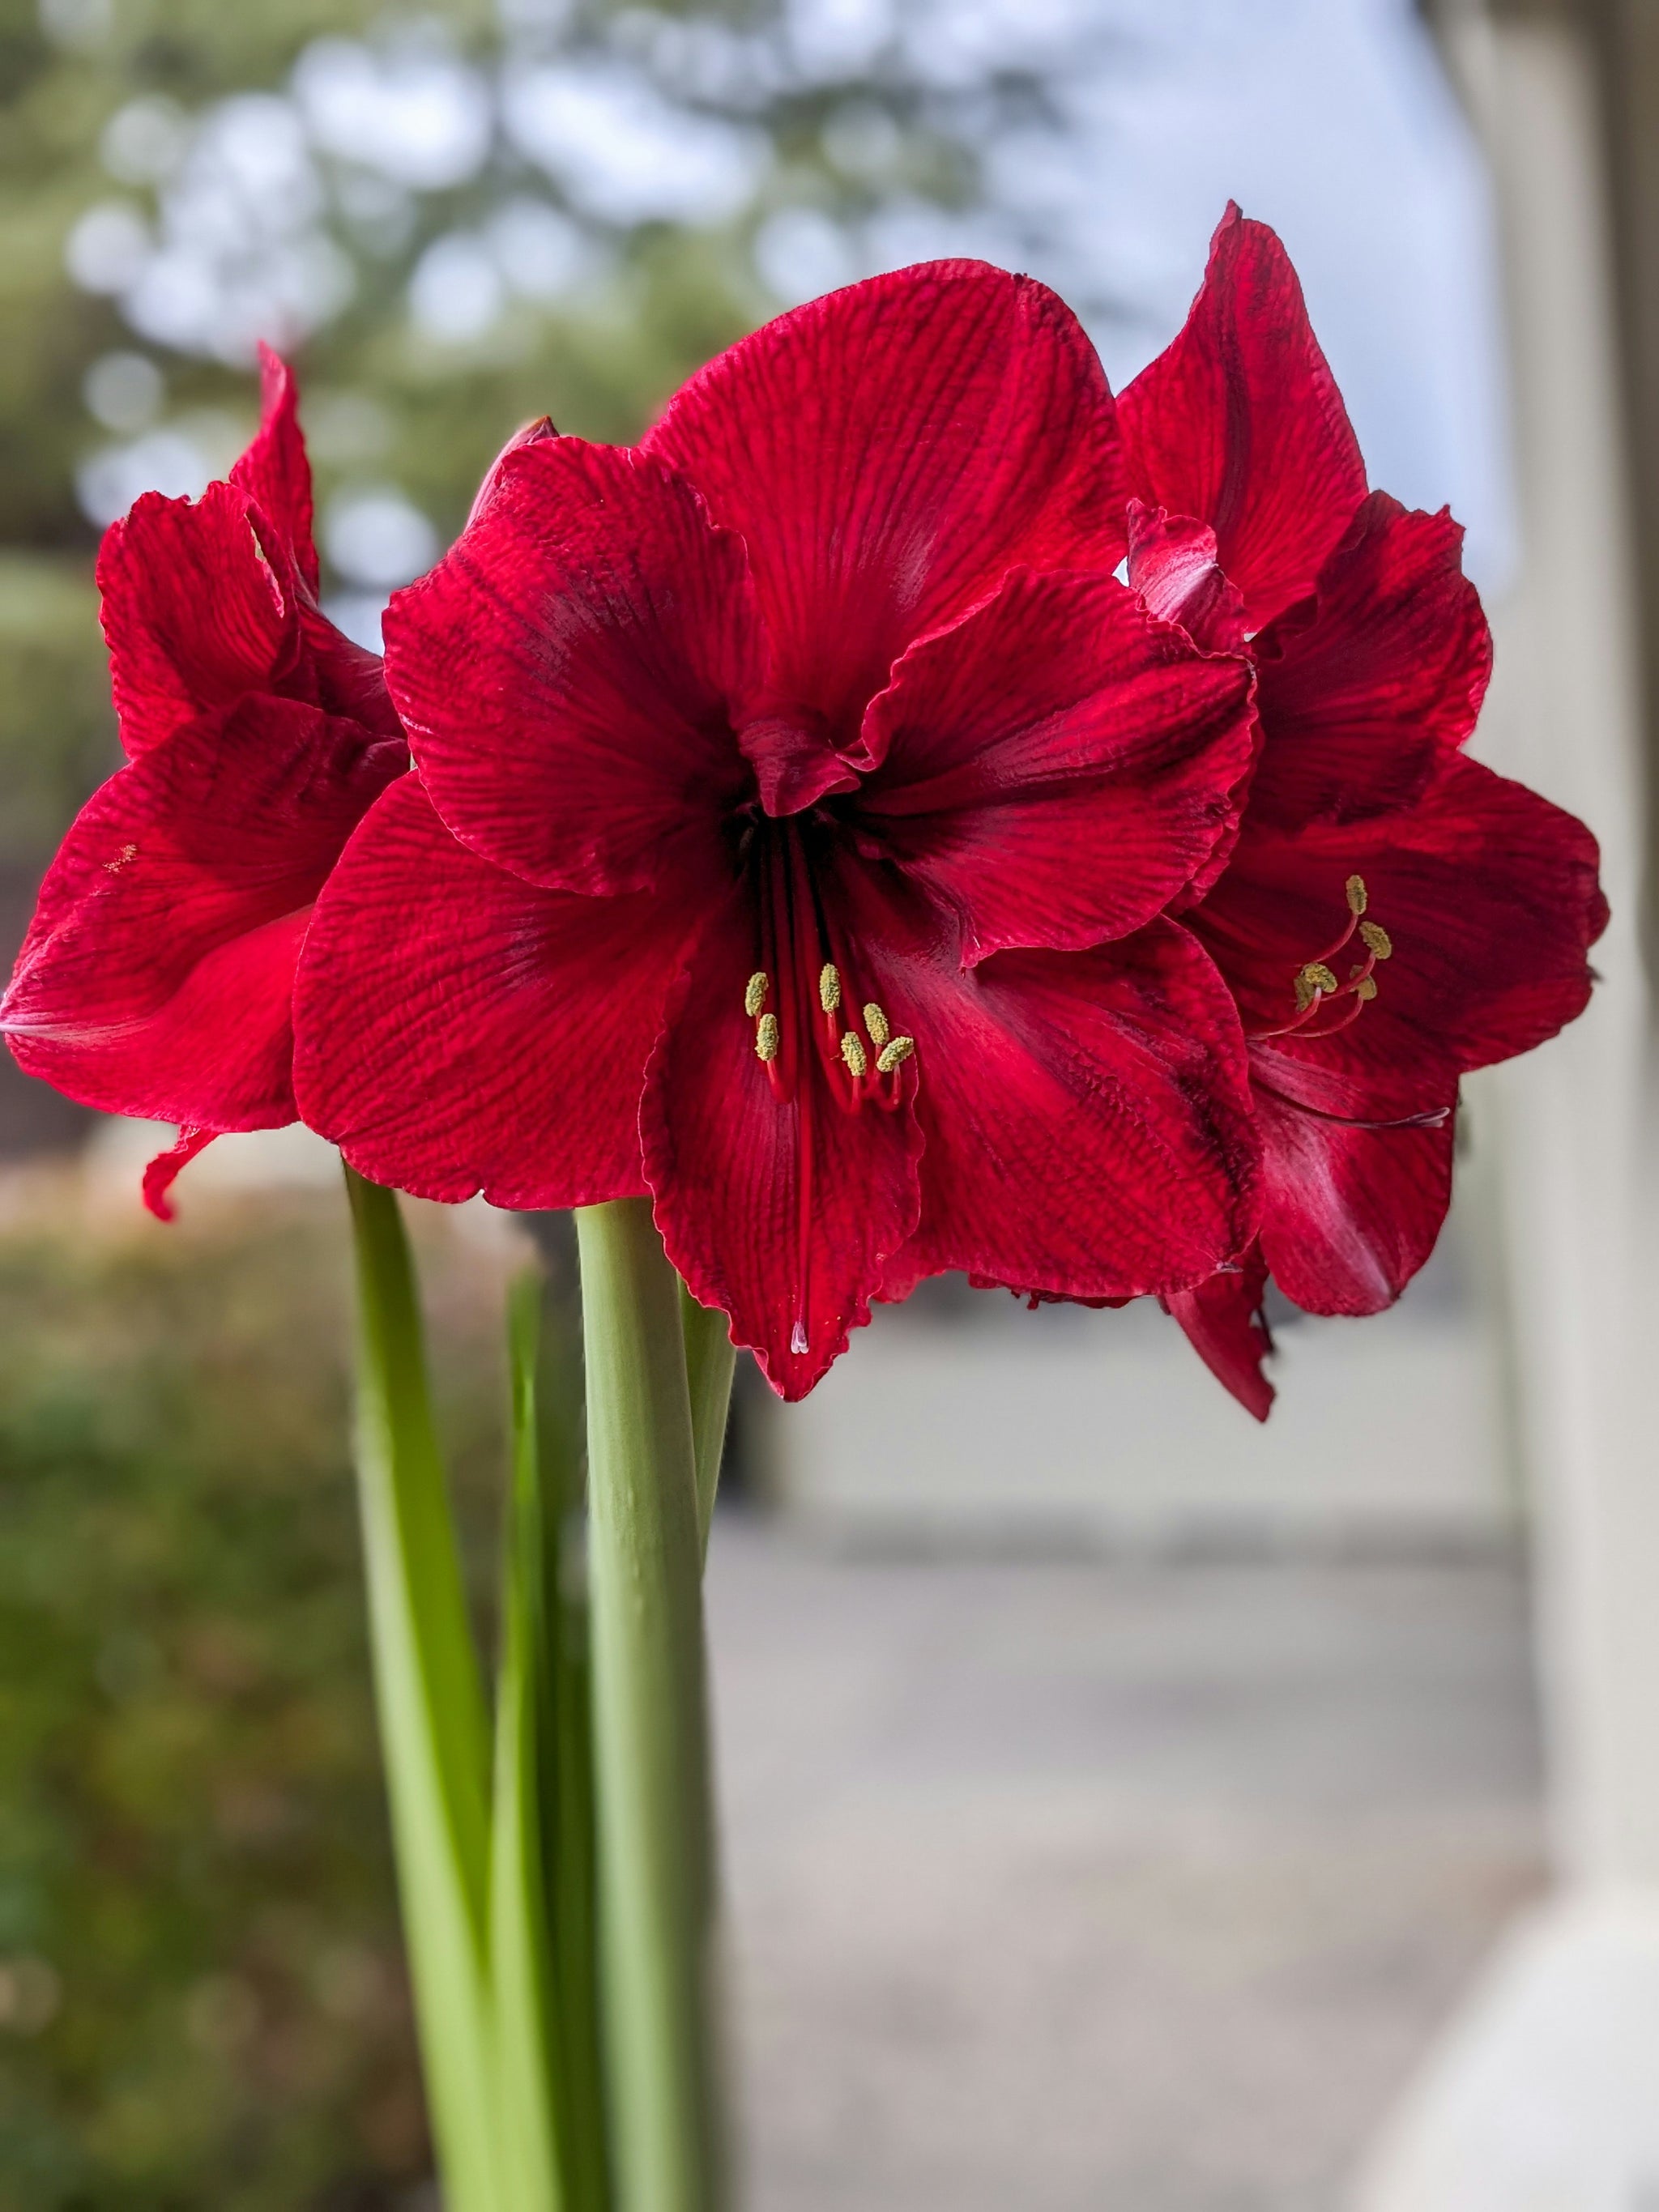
{"x": 797, "y": 998}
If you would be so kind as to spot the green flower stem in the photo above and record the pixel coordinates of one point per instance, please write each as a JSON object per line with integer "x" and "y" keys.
{"x": 650, "y": 1767}
{"x": 710, "y": 1358}
{"x": 435, "y": 1734}
{"x": 531, "y": 2081}
{"x": 567, "y": 1778}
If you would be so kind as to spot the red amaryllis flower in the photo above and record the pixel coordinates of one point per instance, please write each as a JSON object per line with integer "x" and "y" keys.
{"x": 815, "y": 794}
{"x": 1392, "y": 913}
{"x": 156, "y": 978}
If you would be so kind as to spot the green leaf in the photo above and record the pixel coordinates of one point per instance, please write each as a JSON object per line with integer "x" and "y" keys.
{"x": 651, "y": 1761}
{"x": 434, "y": 1735}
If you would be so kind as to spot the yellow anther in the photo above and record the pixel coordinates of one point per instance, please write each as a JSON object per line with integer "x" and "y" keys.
{"x": 755, "y": 991}
{"x": 828, "y": 987}
{"x": 1305, "y": 995}
{"x": 1365, "y": 988}
{"x": 876, "y": 1023}
{"x": 892, "y": 1054}
{"x": 1358, "y": 901}
{"x": 1319, "y": 976}
{"x": 853, "y": 1052}
{"x": 766, "y": 1037}
{"x": 1377, "y": 940}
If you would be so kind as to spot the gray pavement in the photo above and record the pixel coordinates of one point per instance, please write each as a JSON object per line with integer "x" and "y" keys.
{"x": 1132, "y": 1886}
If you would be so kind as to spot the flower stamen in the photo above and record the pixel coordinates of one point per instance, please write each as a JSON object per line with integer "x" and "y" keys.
{"x": 1315, "y": 979}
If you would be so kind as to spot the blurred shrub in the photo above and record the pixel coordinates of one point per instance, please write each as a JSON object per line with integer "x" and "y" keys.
{"x": 202, "y": 2002}
{"x": 57, "y": 730}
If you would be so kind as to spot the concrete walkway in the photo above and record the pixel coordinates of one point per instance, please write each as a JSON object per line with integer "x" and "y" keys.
{"x": 1077, "y": 1886}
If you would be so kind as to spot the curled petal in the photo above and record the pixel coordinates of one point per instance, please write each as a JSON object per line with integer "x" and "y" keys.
{"x": 275, "y": 472}
{"x": 163, "y": 1171}
{"x": 195, "y": 612}
{"x": 889, "y": 452}
{"x": 1173, "y": 566}
{"x": 1359, "y": 686}
{"x": 566, "y": 673}
{"x": 1059, "y": 765}
{"x": 459, "y": 1029}
{"x": 157, "y": 979}
{"x": 1226, "y": 1326}
{"x": 1239, "y": 422}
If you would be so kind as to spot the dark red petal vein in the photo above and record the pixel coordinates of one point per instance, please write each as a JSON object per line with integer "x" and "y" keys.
{"x": 1058, "y": 766}
{"x": 565, "y": 674}
{"x": 889, "y": 452}
{"x": 459, "y": 1029}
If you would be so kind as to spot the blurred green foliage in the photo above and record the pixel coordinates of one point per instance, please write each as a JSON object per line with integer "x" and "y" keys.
{"x": 57, "y": 737}
{"x": 202, "y": 2001}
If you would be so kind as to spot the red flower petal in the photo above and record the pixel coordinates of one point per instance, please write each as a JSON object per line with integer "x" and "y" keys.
{"x": 1173, "y": 566}
{"x": 1059, "y": 765}
{"x": 1489, "y": 899}
{"x": 342, "y": 678}
{"x": 536, "y": 432}
{"x": 1390, "y": 660}
{"x": 782, "y": 1215}
{"x": 1086, "y": 1114}
{"x": 564, "y": 673}
{"x": 1351, "y": 1212}
{"x": 459, "y": 1029}
{"x": 164, "y": 1170}
{"x": 195, "y": 612}
{"x": 275, "y": 470}
{"x": 889, "y": 452}
{"x": 156, "y": 977}
{"x": 1239, "y": 422}
{"x": 1225, "y": 1326}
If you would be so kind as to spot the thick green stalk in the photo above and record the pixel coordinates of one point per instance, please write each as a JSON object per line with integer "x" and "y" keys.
{"x": 567, "y": 1809}
{"x": 710, "y": 1358}
{"x": 434, "y": 1735}
{"x": 530, "y": 2083}
{"x": 651, "y": 1761}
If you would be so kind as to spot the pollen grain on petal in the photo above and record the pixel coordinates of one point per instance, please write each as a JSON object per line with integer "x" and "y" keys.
{"x": 877, "y": 1024}
{"x": 127, "y": 852}
{"x": 1357, "y": 897}
{"x": 755, "y": 991}
{"x": 894, "y": 1052}
{"x": 853, "y": 1052}
{"x": 830, "y": 987}
{"x": 1377, "y": 940}
{"x": 766, "y": 1037}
